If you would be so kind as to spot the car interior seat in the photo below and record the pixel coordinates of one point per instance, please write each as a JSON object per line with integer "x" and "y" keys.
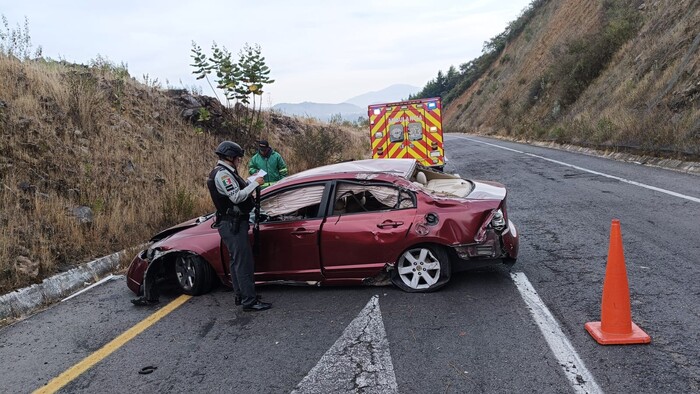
{"x": 421, "y": 178}
{"x": 355, "y": 203}
{"x": 339, "y": 207}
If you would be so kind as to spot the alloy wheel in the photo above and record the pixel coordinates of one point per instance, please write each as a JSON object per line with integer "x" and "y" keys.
{"x": 185, "y": 272}
{"x": 419, "y": 268}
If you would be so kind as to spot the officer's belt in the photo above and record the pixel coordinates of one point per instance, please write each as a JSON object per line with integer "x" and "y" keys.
{"x": 242, "y": 216}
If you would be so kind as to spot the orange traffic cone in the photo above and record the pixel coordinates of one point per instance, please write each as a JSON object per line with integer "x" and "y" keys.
{"x": 616, "y": 326}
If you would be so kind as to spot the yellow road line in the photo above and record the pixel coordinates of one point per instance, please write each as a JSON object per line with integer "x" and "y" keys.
{"x": 66, "y": 377}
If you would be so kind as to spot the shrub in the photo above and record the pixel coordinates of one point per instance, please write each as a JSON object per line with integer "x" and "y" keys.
{"x": 336, "y": 119}
{"x": 537, "y": 89}
{"x": 317, "y": 147}
{"x": 103, "y": 65}
{"x": 558, "y": 134}
{"x": 16, "y": 42}
{"x": 505, "y": 105}
{"x": 605, "y": 130}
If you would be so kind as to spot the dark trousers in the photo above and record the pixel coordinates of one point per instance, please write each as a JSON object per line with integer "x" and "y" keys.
{"x": 242, "y": 265}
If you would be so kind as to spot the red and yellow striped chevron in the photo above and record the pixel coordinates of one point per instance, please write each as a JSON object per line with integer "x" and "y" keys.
{"x": 406, "y": 113}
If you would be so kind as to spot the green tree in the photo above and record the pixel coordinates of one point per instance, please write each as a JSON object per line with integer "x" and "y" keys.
{"x": 228, "y": 73}
{"x": 254, "y": 75}
{"x": 241, "y": 82}
{"x": 202, "y": 66}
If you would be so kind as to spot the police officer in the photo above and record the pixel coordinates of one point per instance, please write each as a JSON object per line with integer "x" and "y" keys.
{"x": 233, "y": 199}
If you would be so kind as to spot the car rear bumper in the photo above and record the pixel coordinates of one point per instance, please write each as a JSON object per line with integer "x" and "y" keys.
{"x": 495, "y": 249}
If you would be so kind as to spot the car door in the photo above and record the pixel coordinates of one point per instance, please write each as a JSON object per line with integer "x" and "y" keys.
{"x": 396, "y": 131}
{"x": 289, "y": 234}
{"x": 365, "y": 229}
{"x": 406, "y": 132}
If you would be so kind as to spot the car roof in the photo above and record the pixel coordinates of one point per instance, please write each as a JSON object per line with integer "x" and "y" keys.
{"x": 400, "y": 167}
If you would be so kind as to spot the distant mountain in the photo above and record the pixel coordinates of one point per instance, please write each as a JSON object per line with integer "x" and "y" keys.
{"x": 387, "y": 95}
{"x": 350, "y": 109}
{"x": 322, "y": 111}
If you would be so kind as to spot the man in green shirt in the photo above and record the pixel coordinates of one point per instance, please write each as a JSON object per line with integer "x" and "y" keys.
{"x": 270, "y": 161}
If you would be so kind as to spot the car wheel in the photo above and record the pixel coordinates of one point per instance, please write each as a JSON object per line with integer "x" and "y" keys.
{"x": 194, "y": 275}
{"x": 422, "y": 269}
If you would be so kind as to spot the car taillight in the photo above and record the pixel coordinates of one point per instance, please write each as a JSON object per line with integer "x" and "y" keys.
{"x": 495, "y": 220}
{"x": 498, "y": 222}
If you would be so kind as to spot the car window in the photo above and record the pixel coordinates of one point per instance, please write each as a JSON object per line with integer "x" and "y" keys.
{"x": 293, "y": 204}
{"x": 356, "y": 198}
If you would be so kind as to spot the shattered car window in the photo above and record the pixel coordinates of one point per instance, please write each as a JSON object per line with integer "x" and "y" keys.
{"x": 353, "y": 198}
{"x": 294, "y": 204}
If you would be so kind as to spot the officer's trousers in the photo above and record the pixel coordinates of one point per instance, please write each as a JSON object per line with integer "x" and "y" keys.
{"x": 242, "y": 265}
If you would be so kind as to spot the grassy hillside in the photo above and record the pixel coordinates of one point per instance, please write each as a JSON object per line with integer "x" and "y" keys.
{"x": 612, "y": 74}
{"x": 79, "y": 139}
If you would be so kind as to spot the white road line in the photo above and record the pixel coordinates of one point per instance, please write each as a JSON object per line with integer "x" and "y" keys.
{"x": 103, "y": 280}
{"x": 575, "y": 370}
{"x": 658, "y": 189}
{"x": 488, "y": 143}
{"x": 359, "y": 361}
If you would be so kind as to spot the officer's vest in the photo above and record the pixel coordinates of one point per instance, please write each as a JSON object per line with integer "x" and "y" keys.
{"x": 221, "y": 201}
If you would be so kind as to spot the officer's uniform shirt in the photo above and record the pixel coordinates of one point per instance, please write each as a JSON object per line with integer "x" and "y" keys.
{"x": 226, "y": 184}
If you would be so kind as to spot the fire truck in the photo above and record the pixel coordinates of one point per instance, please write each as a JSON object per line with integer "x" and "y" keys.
{"x": 408, "y": 129}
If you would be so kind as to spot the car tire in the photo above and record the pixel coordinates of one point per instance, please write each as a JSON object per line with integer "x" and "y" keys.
{"x": 193, "y": 274}
{"x": 422, "y": 268}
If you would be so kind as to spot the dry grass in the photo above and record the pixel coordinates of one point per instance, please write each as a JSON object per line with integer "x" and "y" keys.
{"x": 90, "y": 136}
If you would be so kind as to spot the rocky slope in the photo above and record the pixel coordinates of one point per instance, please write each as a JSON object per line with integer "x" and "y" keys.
{"x": 615, "y": 74}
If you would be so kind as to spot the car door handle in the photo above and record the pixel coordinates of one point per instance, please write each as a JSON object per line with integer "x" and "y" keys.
{"x": 389, "y": 223}
{"x": 302, "y": 231}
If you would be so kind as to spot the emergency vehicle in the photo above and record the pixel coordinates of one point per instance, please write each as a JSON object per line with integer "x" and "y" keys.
{"x": 408, "y": 129}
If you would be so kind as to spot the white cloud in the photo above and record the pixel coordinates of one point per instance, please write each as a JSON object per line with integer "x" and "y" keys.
{"x": 317, "y": 51}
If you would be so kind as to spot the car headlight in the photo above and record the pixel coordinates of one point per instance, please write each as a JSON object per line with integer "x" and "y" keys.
{"x": 153, "y": 253}
{"x": 150, "y": 254}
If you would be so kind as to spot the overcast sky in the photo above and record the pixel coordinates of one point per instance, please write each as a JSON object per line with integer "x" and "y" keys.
{"x": 319, "y": 51}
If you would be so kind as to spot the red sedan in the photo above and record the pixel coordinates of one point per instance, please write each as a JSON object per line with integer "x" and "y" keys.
{"x": 360, "y": 222}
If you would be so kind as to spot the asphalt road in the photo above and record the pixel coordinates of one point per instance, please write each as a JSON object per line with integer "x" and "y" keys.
{"x": 475, "y": 335}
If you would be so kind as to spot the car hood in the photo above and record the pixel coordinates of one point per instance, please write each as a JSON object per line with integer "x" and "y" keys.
{"x": 182, "y": 226}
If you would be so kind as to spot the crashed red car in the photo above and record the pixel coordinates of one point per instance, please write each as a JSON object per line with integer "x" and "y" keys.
{"x": 361, "y": 222}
